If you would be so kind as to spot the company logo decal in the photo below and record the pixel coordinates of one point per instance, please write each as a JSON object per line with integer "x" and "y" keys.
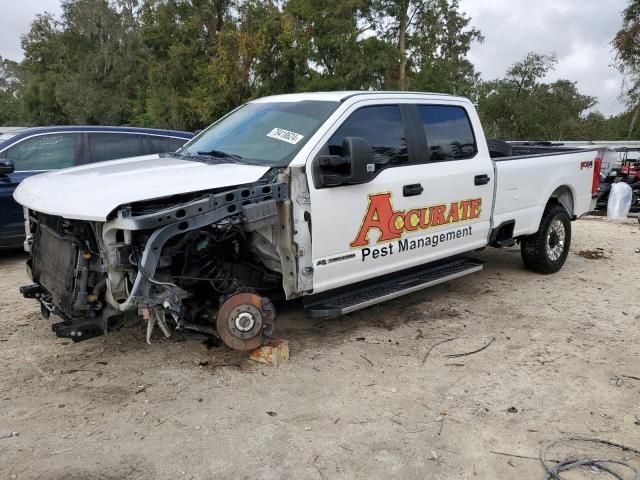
{"x": 586, "y": 164}
{"x": 392, "y": 224}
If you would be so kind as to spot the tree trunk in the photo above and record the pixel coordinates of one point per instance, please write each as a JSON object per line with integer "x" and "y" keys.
{"x": 634, "y": 119}
{"x": 404, "y": 10}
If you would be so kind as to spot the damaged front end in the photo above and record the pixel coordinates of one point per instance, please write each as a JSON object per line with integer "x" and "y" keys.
{"x": 201, "y": 261}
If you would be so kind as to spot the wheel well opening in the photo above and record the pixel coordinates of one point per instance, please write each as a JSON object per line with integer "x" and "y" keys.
{"x": 564, "y": 197}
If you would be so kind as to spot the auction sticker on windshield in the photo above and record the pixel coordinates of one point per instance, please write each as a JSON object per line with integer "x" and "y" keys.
{"x": 285, "y": 135}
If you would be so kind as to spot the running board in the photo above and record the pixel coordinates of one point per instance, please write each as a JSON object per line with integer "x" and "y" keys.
{"x": 366, "y": 296}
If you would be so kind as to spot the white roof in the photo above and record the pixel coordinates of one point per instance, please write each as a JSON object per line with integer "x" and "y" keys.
{"x": 342, "y": 95}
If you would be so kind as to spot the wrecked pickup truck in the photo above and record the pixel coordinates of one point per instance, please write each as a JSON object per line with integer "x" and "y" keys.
{"x": 345, "y": 199}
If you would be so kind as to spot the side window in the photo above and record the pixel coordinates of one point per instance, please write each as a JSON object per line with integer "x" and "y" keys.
{"x": 382, "y": 127}
{"x": 110, "y": 146}
{"x": 176, "y": 143}
{"x": 448, "y": 131}
{"x": 45, "y": 152}
{"x": 159, "y": 144}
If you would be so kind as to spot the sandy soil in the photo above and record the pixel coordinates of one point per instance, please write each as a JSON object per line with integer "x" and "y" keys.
{"x": 355, "y": 400}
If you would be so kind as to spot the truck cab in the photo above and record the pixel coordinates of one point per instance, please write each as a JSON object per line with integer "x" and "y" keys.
{"x": 410, "y": 189}
{"x": 345, "y": 199}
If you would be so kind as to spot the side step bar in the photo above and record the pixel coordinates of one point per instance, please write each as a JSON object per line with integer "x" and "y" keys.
{"x": 372, "y": 294}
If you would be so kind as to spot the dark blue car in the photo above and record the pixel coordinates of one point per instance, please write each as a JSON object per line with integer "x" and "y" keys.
{"x": 29, "y": 151}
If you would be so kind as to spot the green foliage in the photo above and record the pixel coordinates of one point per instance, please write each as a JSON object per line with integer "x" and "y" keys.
{"x": 522, "y": 107}
{"x": 184, "y": 63}
{"x": 9, "y": 93}
{"x": 87, "y": 67}
{"x": 627, "y": 46}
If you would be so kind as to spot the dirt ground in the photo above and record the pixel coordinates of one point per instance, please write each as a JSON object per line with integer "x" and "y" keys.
{"x": 355, "y": 399}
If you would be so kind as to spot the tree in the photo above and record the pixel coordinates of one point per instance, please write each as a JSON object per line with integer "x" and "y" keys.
{"x": 522, "y": 107}
{"x": 433, "y": 39}
{"x": 184, "y": 63}
{"x": 42, "y": 66}
{"x": 440, "y": 45}
{"x": 10, "y": 86}
{"x": 182, "y": 38}
{"x": 334, "y": 40}
{"x": 627, "y": 47}
{"x": 87, "y": 67}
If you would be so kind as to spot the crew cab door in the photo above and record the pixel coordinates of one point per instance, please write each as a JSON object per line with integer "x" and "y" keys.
{"x": 429, "y": 196}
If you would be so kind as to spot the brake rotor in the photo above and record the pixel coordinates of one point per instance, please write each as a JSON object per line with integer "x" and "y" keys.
{"x": 245, "y": 321}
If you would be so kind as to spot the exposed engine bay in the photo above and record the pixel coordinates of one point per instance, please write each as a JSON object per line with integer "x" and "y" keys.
{"x": 204, "y": 261}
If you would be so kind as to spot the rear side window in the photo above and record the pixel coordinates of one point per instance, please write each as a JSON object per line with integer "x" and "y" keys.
{"x": 382, "y": 127}
{"x": 109, "y": 146}
{"x": 45, "y": 152}
{"x": 165, "y": 144}
{"x": 448, "y": 131}
{"x": 159, "y": 144}
{"x": 176, "y": 143}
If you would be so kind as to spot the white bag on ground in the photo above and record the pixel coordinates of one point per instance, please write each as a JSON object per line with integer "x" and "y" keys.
{"x": 619, "y": 201}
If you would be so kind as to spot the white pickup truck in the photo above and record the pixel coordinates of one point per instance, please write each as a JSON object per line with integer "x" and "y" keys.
{"x": 346, "y": 199}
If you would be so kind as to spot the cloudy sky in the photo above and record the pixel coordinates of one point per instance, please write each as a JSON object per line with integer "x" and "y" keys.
{"x": 578, "y": 31}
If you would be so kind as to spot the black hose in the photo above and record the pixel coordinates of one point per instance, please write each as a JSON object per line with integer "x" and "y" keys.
{"x": 553, "y": 471}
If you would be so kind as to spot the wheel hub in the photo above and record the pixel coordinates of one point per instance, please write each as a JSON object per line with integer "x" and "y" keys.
{"x": 555, "y": 240}
{"x": 244, "y": 320}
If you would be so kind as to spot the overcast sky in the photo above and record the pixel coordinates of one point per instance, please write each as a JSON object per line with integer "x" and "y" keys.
{"x": 578, "y": 31}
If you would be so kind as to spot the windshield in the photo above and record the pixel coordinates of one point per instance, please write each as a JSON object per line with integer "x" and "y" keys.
{"x": 262, "y": 133}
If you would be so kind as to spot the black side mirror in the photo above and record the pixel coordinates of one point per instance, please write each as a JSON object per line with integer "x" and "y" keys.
{"x": 354, "y": 166}
{"x": 6, "y": 166}
{"x": 360, "y": 155}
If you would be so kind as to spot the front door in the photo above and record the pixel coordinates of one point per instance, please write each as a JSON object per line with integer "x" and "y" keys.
{"x": 422, "y": 205}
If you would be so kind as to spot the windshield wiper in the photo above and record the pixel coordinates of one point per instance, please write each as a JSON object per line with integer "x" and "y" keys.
{"x": 220, "y": 154}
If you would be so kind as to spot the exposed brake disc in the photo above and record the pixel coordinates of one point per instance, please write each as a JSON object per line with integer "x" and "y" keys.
{"x": 245, "y": 321}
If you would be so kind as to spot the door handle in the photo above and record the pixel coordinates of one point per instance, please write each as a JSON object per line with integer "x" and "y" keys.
{"x": 412, "y": 190}
{"x": 481, "y": 179}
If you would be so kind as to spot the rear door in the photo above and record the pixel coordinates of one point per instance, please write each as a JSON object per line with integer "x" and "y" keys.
{"x": 458, "y": 171}
{"x": 421, "y": 206}
{"x": 32, "y": 155}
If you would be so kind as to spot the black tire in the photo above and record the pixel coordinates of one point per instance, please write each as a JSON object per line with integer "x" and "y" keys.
{"x": 535, "y": 254}
{"x": 499, "y": 149}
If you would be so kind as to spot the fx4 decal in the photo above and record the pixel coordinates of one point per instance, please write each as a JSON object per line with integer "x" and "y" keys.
{"x": 392, "y": 224}
{"x": 588, "y": 164}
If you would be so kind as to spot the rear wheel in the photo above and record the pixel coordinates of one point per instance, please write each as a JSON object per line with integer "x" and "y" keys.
{"x": 546, "y": 250}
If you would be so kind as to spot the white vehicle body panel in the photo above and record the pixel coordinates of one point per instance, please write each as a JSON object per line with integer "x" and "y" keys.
{"x": 525, "y": 186}
{"x": 92, "y": 192}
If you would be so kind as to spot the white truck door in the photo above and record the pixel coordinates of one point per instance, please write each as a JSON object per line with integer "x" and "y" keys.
{"x": 430, "y": 196}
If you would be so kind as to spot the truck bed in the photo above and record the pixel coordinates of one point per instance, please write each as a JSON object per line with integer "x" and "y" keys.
{"x": 566, "y": 171}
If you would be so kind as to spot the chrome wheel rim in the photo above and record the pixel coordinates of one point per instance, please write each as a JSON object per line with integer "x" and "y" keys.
{"x": 555, "y": 240}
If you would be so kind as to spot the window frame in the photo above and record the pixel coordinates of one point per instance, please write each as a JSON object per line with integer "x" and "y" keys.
{"x": 424, "y": 139}
{"x": 77, "y": 154}
{"x": 407, "y": 125}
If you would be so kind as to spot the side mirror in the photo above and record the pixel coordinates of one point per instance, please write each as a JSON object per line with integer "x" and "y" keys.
{"x": 360, "y": 155}
{"x": 354, "y": 166}
{"x": 6, "y": 166}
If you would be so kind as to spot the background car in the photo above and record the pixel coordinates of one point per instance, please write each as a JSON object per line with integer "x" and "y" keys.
{"x": 29, "y": 151}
